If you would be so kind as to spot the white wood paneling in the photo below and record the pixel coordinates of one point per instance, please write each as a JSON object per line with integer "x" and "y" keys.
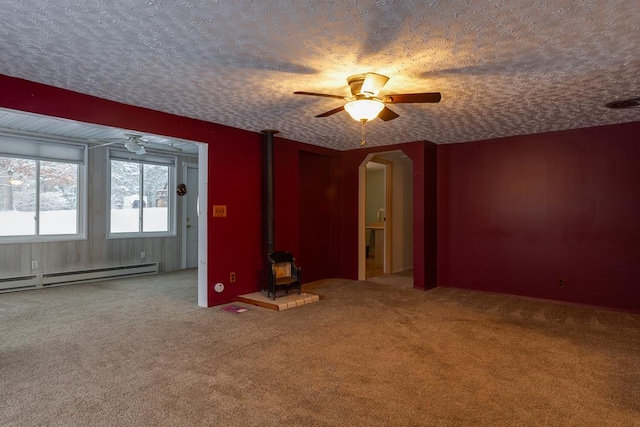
{"x": 96, "y": 250}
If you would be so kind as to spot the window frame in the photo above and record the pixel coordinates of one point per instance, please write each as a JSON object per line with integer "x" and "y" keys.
{"x": 149, "y": 159}
{"x": 49, "y": 150}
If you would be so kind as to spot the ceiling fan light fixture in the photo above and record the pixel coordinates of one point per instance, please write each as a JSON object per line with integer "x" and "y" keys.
{"x": 132, "y": 146}
{"x": 135, "y": 147}
{"x": 364, "y": 109}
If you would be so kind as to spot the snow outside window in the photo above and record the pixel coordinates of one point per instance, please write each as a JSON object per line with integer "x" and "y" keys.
{"x": 140, "y": 200}
{"x": 39, "y": 199}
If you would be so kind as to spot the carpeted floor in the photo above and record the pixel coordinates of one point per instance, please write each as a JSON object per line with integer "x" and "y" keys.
{"x": 140, "y": 352}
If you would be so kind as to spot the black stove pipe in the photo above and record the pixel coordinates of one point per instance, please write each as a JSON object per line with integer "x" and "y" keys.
{"x": 268, "y": 191}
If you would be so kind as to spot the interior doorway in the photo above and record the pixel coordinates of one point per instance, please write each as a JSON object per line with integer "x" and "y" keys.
{"x": 378, "y": 214}
{"x": 194, "y": 220}
{"x": 385, "y": 215}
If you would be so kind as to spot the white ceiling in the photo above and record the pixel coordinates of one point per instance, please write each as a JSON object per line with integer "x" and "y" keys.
{"x": 504, "y": 67}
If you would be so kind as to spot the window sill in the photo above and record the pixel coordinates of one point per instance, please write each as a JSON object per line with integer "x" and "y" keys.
{"x": 18, "y": 240}
{"x": 139, "y": 235}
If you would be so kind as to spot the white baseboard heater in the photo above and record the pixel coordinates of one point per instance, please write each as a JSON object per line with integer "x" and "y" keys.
{"x": 46, "y": 280}
{"x": 19, "y": 283}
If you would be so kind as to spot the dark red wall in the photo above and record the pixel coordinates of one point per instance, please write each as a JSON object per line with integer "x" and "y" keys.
{"x": 315, "y": 216}
{"x": 424, "y": 157}
{"x": 235, "y": 242}
{"x": 517, "y": 214}
{"x": 307, "y": 208}
{"x": 23, "y": 95}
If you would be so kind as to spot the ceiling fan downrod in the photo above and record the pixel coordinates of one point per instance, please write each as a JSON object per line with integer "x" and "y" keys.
{"x": 364, "y": 133}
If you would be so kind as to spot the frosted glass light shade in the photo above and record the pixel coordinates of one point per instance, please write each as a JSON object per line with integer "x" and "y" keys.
{"x": 135, "y": 147}
{"x": 364, "y": 109}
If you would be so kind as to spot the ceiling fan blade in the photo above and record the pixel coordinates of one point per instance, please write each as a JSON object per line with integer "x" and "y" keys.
{"x": 328, "y": 113}
{"x": 103, "y": 144}
{"x": 159, "y": 146}
{"x": 373, "y": 83}
{"x": 417, "y": 98}
{"x": 141, "y": 151}
{"x": 319, "y": 94}
{"x": 386, "y": 114}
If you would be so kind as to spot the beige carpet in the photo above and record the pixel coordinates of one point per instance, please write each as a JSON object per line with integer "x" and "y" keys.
{"x": 140, "y": 352}
{"x": 403, "y": 278}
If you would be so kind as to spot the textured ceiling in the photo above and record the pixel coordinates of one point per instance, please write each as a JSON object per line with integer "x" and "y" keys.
{"x": 504, "y": 67}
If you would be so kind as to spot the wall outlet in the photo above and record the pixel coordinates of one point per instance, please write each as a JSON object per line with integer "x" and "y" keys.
{"x": 232, "y": 277}
{"x": 561, "y": 283}
{"x": 143, "y": 255}
{"x": 34, "y": 265}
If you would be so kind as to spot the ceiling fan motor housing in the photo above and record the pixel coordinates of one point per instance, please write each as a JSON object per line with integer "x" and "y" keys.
{"x": 355, "y": 83}
{"x": 367, "y": 84}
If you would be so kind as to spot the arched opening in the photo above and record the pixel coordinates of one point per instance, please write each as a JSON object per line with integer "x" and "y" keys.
{"x": 385, "y": 215}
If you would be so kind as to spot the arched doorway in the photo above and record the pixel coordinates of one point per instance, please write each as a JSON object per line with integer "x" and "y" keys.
{"x": 388, "y": 229}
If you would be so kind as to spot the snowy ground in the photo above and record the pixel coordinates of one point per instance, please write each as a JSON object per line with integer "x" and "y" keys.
{"x": 15, "y": 223}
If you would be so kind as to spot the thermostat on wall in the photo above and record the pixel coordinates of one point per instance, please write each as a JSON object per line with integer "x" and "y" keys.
{"x": 219, "y": 287}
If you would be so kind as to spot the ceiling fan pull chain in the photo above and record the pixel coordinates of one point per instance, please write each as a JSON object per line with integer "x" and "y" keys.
{"x": 364, "y": 133}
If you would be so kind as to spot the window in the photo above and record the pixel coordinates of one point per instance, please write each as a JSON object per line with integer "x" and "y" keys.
{"x": 41, "y": 190}
{"x": 139, "y": 196}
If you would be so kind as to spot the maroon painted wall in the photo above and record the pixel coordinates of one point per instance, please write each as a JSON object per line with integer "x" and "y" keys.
{"x": 307, "y": 206}
{"x": 24, "y": 95}
{"x": 424, "y": 157}
{"x": 235, "y": 241}
{"x": 517, "y": 214}
{"x": 315, "y": 216}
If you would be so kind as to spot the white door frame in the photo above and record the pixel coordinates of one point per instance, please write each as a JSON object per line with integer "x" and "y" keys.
{"x": 362, "y": 191}
{"x": 185, "y": 167}
{"x": 202, "y": 208}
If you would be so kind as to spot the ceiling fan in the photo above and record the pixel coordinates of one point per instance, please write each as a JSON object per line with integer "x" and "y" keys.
{"x": 366, "y": 103}
{"x": 136, "y": 144}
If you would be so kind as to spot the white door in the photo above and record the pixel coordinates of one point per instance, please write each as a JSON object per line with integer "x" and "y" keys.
{"x": 192, "y": 217}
